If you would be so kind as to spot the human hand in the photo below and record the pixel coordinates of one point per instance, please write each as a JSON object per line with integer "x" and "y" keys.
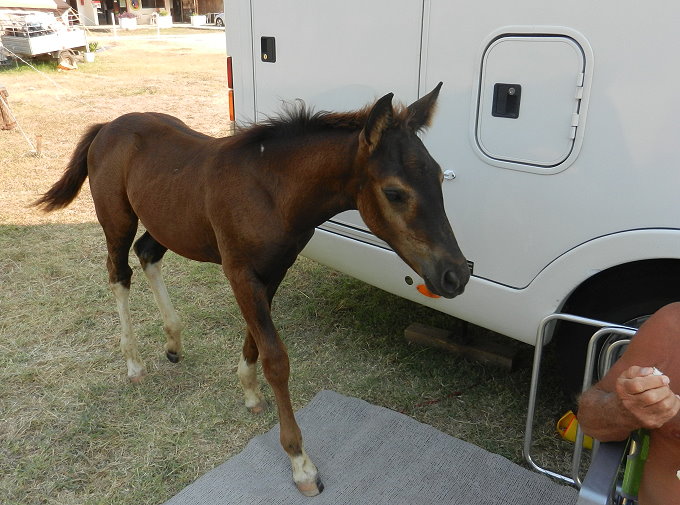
{"x": 647, "y": 396}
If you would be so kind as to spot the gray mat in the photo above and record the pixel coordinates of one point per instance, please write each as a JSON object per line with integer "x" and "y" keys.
{"x": 372, "y": 455}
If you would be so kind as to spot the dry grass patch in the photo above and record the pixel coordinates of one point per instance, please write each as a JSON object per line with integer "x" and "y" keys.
{"x": 131, "y": 74}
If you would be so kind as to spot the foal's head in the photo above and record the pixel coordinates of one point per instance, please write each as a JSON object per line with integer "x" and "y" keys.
{"x": 400, "y": 196}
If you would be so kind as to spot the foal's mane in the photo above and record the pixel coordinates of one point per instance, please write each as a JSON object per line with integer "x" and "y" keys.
{"x": 296, "y": 119}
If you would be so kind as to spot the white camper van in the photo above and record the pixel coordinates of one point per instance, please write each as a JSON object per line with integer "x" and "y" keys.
{"x": 558, "y": 128}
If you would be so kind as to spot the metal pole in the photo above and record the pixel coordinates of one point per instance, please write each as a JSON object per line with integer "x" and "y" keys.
{"x": 533, "y": 390}
{"x": 113, "y": 22}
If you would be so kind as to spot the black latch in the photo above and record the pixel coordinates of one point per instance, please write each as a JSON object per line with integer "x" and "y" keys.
{"x": 506, "y": 98}
{"x": 268, "y": 49}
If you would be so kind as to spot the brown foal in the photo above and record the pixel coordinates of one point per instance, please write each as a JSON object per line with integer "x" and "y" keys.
{"x": 250, "y": 202}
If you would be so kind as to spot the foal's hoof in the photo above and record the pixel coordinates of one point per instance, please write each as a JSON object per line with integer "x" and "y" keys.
{"x": 137, "y": 379}
{"x": 173, "y": 357}
{"x": 310, "y": 488}
{"x": 260, "y": 408}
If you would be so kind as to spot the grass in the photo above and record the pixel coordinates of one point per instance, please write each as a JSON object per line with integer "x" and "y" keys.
{"x": 73, "y": 430}
{"x": 18, "y": 67}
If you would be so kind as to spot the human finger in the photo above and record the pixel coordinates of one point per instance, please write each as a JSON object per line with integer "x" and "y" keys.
{"x": 639, "y": 384}
{"x": 640, "y": 371}
{"x": 650, "y": 397}
{"x": 656, "y": 415}
{"x": 635, "y": 371}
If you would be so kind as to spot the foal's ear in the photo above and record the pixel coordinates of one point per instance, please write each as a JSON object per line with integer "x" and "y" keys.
{"x": 421, "y": 111}
{"x": 379, "y": 119}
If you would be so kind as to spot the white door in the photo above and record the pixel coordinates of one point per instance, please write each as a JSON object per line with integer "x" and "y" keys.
{"x": 524, "y": 179}
{"x": 335, "y": 56}
{"x": 528, "y": 105}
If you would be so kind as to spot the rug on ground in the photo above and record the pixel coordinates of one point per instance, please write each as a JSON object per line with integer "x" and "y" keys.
{"x": 372, "y": 455}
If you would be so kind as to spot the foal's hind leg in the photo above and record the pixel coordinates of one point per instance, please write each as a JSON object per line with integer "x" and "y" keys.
{"x": 150, "y": 254}
{"x": 247, "y": 375}
{"x": 120, "y": 232}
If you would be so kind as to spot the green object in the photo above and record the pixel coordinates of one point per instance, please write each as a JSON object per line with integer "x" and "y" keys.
{"x": 635, "y": 463}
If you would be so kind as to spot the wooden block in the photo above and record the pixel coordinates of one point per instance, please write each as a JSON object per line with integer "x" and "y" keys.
{"x": 484, "y": 352}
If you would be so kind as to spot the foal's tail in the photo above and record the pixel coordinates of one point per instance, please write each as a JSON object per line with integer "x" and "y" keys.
{"x": 67, "y": 188}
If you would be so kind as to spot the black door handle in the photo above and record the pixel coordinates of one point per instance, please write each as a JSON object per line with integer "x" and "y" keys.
{"x": 506, "y": 99}
{"x": 268, "y": 49}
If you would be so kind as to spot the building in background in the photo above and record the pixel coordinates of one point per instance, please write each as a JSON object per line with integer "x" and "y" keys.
{"x": 101, "y": 12}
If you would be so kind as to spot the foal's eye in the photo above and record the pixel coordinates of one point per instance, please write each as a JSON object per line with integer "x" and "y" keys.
{"x": 394, "y": 195}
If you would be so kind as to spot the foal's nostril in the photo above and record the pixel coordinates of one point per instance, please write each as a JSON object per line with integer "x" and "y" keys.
{"x": 450, "y": 282}
{"x": 454, "y": 283}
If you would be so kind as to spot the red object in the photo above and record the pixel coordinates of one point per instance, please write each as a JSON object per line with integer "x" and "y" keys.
{"x": 232, "y": 115}
{"x": 422, "y": 289}
{"x": 230, "y": 85}
{"x": 230, "y": 74}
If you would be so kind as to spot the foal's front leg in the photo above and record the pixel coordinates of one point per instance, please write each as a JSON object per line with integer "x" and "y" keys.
{"x": 253, "y": 300}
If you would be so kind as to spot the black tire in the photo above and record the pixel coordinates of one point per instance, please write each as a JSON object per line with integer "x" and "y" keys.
{"x": 219, "y": 22}
{"x": 625, "y": 295}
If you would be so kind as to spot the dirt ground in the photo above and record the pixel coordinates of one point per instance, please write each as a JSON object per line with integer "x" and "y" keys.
{"x": 182, "y": 72}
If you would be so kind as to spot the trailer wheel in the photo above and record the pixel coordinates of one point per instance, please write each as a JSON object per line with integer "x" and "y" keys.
{"x": 219, "y": 22}
{"x": 626, "y": 295}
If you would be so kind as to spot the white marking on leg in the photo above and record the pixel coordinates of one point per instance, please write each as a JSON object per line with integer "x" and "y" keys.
{"x": 171, "y": 323}
{"x": 304, "y": 474}
{"x": 247, "y": 375}
{"x": 128, "y": 342}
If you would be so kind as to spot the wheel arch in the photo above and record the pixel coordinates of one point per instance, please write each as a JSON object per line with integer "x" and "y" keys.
{"x": 584, "y": 298}
{"x": 600, "y": 260}
{"x": 625, "y": 293}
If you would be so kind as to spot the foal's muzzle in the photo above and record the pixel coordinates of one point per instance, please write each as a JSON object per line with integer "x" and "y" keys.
{"x": 449, "y": 281}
